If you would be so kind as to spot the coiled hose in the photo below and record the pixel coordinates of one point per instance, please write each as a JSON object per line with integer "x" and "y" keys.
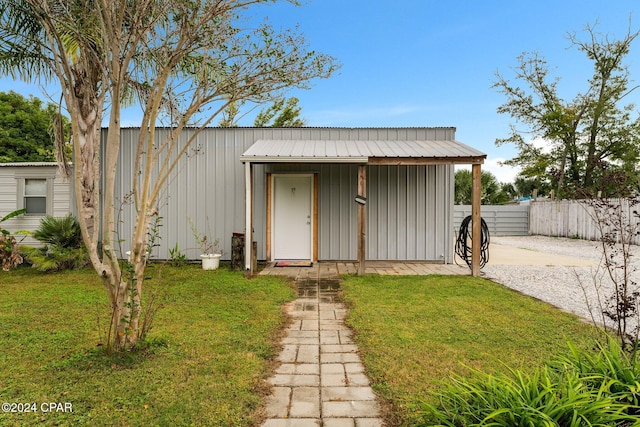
{"x": 464, "y": 242}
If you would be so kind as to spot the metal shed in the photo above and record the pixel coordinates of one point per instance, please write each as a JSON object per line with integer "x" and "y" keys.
{"x": 234, "y": 178}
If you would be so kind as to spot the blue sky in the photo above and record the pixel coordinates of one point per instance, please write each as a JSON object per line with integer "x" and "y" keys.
{"x": 432, "y": 63}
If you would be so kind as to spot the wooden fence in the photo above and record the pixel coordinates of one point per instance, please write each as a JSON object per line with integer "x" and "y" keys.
{"x": 571, "y": 218}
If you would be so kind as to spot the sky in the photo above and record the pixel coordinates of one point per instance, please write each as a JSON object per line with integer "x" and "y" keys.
{"x": 424, "y": 63}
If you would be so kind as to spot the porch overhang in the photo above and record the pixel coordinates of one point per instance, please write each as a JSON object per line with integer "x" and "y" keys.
{"x": 363, "y": 153}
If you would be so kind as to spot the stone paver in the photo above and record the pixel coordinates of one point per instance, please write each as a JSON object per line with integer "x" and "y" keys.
{"x": 321, "y": 380}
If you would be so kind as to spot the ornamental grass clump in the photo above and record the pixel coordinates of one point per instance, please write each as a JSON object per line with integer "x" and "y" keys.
{"x": 578, "y": 390}
{"x": 609, "y": 367}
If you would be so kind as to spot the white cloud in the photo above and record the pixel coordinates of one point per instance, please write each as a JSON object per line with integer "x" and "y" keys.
{"x": 541, "y": 143}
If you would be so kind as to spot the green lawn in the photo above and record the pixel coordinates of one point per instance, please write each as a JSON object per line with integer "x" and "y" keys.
{"x": 414, "y": 332}
{"x": 209, "y": 352}
{"x": 214, "y": 336}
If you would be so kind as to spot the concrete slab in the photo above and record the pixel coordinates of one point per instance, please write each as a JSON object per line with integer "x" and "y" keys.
{"x": 292, "y": 422}
{"x": 329, "y": 337}
{"x": 339, "y": 348}
{"x": 299, "y": 369}
{"x": 278, "y": 402}
{"x": 330, "y": 394}
{"x": 369, "y": 422}
{"x": 352, "y": 408}
{"x": 338, "y": 422}
{"x": 333, "y": 380}
{"x": 339, "y": 358}
{"x": 305, "y": 402}
{"x": 332, "y": 368}
{"x": 308, "y": 354}
{"x": 510, "y": 255}
{"x": 295, "y": 380}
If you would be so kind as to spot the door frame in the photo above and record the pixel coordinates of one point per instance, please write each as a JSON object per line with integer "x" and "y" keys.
{"x": 314, "y": 212}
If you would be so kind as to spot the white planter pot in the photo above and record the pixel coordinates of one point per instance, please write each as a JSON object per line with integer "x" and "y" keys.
{"x": 210, "y": 261}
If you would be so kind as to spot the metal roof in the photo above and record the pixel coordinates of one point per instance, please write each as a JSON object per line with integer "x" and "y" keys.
{"x": 350, "y": 151}
{"x": 28, "y": 164}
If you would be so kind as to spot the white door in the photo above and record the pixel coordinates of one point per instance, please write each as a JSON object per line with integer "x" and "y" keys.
{"x": 292, "y": 218}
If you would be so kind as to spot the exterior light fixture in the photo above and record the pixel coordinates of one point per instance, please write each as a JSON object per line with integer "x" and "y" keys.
{"x": 361, "y": 200}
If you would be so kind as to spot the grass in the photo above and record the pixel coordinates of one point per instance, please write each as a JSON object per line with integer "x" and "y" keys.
{"x": 415, "y": 332}
{"x": 207, "y": 355}
{"x": 214, "y": 335}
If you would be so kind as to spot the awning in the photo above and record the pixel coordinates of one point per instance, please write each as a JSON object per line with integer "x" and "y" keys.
{"x": 362, "y": 152}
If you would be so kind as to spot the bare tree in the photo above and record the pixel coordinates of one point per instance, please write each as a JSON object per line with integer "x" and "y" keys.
{"x": 184, "y": 62}
{"x": 617, "y": 221}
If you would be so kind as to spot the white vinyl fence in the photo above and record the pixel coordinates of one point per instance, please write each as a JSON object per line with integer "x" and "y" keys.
{"x": 508, "y": 220}
{"x": 572, "y": 218}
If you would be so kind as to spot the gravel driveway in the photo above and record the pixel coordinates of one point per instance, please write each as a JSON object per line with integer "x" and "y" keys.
{"x": 573, "y": 286}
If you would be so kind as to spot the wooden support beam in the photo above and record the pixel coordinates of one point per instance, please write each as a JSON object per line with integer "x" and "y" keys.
{"x": 398, "y": 161}
{"x": 362, "y": 220}
{"x": 248, "y": 229}
{"x": 269, "y": 195}
{"x": 475, "y": 220}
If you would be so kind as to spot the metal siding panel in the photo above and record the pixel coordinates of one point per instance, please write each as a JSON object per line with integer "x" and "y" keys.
{"x": 421, "y": 220}
{"x": 441, "y": 213}
{"x": 392, "y": 212}
{"x": 406, "y": 213}
{"x": 383, "y": 213}
{"x": 326, "y": 217}
{"x": 402, "y": 223}
{"x": 431, "y": 211}
{"x": 348, "y": 217}
{"x": 373, "y": 202}
{"x": 411, "y": 215}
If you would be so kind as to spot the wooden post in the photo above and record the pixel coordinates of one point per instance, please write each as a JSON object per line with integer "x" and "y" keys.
{"x": 475, "y": 220}
{"x": 248, "y": 206}
{"x": 362, "y": 219}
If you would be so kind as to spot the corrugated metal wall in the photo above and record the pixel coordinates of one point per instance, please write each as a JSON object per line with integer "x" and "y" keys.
{"x": 410, "y": 212}
{"x": 507, "y": 220}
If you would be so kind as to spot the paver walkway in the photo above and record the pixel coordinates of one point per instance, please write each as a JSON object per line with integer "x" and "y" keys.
{"x": 321, "y": 379}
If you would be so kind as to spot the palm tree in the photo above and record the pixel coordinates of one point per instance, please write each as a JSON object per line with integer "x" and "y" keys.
{"x": 58, "y": 41}
{"x": 45, "y": 40}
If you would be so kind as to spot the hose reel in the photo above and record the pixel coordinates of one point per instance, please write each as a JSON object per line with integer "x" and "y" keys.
{"x": 464, "y": 242}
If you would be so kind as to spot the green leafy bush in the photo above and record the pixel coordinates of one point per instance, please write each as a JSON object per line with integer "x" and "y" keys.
{"x": 55, "y": 258}
{"x": 63, "y": 250}
{"x": 578, "y": 390}
{"x": 62, "y": 232}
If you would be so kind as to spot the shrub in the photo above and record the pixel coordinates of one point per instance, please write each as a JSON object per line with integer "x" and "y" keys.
{"x": 55, "y": 258}
{"x": 9, "y": 255}
{"x": 580, "y": 389}
{"x": 61, "y": 232}
{"x": 63, "y": 250}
